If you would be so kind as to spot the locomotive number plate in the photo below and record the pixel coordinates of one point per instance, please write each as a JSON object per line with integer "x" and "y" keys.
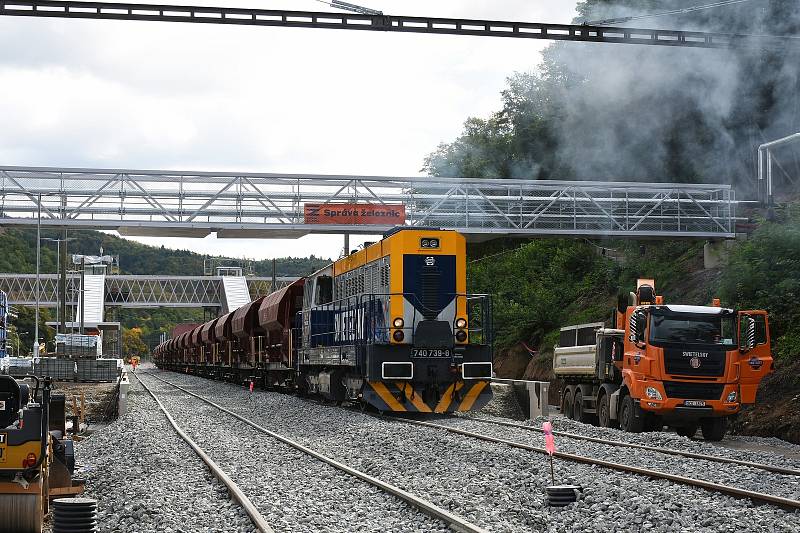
{"x": 694, "y": 403}
{"x": 430, "y": 352}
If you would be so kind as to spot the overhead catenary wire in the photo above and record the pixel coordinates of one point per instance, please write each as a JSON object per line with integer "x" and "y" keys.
{"x": 680, "y": 11}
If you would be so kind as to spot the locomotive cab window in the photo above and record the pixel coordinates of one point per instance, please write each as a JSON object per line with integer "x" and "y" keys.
{"x": 323, "y": 290}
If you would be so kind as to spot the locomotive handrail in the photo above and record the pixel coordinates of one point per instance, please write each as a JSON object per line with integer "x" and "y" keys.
{"x": 356, "y": 336}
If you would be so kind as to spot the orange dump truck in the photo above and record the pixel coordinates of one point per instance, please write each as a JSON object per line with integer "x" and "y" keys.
{"x": 661, "y": 364}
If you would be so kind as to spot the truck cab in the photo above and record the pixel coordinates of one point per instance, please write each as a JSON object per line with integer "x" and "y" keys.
{"x": 679, "y": 365}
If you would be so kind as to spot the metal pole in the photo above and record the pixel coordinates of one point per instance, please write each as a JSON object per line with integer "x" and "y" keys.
{"x": 62, "y": 283}
{"x": 58, "y": 287}
{"x": 38, "y": 242}
{"x": 83, "y": 291}
{"x": 346, "y": 245}
{"x": 274, "y": 276}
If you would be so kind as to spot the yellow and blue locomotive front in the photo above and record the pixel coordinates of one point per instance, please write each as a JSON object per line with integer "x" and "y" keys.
{"x": 431, "y": 350}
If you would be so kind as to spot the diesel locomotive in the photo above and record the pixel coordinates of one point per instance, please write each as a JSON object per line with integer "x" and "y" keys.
{"x": 390, "y": 325}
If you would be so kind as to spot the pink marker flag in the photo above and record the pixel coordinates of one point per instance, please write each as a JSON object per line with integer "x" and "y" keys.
{"x": 251, "y": 386}
{"x": 549, "y": 441}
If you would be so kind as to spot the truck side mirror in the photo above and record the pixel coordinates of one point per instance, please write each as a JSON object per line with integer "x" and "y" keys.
{"x": 632, "y": 324}
{"x": 637, "y": 326}
{"x": 748, "y": 332}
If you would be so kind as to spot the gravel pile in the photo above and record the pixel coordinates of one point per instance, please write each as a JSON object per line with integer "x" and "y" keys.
{"x": 497, "y": 487}
{"x": 146, "y": 479}
{"x": 294, "y": 492}
{"x": 503, "y": 403}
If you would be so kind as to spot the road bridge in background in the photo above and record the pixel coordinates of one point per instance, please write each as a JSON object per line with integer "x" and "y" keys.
{"x": 134, "y": 291}
{"x": 258, "y": 205}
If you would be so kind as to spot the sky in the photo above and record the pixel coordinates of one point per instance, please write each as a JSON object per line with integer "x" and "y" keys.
{"x": 148, "y": 95}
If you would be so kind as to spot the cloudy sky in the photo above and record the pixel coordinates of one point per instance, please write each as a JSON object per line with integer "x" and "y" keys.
{"x": 119, "y": 94}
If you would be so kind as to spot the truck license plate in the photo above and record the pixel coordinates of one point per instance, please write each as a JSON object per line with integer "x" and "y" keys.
{"x": 694, "y": 403}
{"x": 430, "y": 352}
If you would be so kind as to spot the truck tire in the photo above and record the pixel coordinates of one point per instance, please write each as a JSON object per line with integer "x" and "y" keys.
{"x": 566, "y": 403}
{"x": 604, "y": 412}
{"x": 628, "y": 420}
{"x": 714, "y": 429}
{"x": 577, "y": 406}
{"x": 686, "y": 431}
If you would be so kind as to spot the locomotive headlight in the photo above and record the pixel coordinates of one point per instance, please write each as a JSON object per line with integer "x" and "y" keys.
{"x": 398, "y": 322}
{"x": 461, "y": 335}
{"x": 461, "y": 323}
{"x": 731, "y": 397}
{"x": 425, "y": 243}
{"x": 653, "y": 393}
{"x": 398, "y": 335}
{"x": 434, "y": 243}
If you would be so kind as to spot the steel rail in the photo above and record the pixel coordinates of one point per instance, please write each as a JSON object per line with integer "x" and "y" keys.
{"x": 736, "y": 492}
{"x": 387, "y": 23}
{"x": 455, "y": 522}
{"x": 666, "y": 451}
{"x": 233, "y": 489}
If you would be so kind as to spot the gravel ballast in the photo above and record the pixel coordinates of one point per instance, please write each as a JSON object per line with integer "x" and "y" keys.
{"x": 293, "y": 491}
{"x": 495, "y": 486}
{"x": 146, "y": 479}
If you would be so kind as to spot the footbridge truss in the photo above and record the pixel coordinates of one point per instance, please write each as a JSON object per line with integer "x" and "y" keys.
{"x": 134, "y": 291}
{"x": 257, "y": 205}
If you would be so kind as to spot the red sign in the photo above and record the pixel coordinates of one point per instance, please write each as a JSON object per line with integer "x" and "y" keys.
{"x": 355, "y": 214}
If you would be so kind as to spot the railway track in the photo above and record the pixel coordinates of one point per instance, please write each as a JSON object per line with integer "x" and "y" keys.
{"x": 736, "y": 492}
{"x": 667, "y": 451}
{"x": 504, "y": 490}
{"x": 454, "y": 522}
{"x": 234, "y": 490}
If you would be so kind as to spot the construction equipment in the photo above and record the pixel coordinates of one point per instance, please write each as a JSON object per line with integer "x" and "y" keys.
{"x": 36, "y": 460}
{"x": 679, "y": 365}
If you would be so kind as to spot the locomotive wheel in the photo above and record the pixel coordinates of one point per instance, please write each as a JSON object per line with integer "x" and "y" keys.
{"x": 21, "y": 513}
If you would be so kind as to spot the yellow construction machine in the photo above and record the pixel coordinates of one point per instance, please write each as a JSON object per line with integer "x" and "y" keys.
{"x": 36, "y": 459}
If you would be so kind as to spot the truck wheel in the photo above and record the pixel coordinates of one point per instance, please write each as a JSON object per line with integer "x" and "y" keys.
{"x": 604, "y": 412}
{"x": 577, "y": 406}
{"x": 714, "y": 429}
{"x": 566, "y": 403}
{"x": 627, "y": 416}
{"x": 686, "y": 431}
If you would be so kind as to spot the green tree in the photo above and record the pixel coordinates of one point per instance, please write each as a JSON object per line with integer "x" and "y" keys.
{"x": 132, "y": 344}
{"x": 23, "y": 320}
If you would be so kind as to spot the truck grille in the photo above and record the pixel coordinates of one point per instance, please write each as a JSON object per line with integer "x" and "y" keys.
{"x": 675, "y": 362}
{"x": 693, "y": 391}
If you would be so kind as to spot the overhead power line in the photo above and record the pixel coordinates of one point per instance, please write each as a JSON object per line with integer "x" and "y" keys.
{"x": 681, "y": 11}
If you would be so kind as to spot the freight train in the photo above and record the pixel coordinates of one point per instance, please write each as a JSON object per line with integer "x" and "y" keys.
{"x": 390, "y": 325}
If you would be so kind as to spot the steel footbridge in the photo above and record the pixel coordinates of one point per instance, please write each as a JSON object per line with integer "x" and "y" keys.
{"x": 130, "y": 291}
{"x": 261, "y": 205}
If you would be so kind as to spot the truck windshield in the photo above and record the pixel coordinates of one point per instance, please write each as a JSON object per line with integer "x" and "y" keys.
{"x": 699, "y": 329}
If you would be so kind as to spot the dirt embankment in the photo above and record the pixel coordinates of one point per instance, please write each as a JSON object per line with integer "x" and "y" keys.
{"x": 776, "y": 412}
